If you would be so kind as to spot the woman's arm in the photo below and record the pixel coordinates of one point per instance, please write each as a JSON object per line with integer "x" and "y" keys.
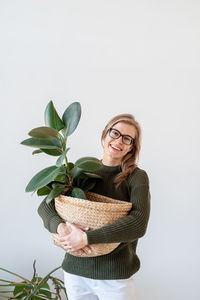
{"x": 49, "y": 215}
{"x": 55, "y": 224}
{"x": 126, "y": 229}
{"x": 130, "y": 227}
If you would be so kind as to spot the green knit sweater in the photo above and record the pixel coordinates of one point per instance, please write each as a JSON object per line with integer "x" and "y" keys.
{"x": 122, "y": 262}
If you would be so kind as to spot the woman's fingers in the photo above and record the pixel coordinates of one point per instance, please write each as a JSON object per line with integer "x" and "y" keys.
{"x": 87, "y": 249}
{"x": 80, "y": 252}
{"x": 84, "y": 228}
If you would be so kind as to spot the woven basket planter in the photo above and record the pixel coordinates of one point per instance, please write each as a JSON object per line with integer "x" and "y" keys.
{"x": 95, "y": 212}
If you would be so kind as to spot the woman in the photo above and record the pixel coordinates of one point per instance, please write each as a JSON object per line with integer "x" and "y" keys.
{"x": 108, "y": 276}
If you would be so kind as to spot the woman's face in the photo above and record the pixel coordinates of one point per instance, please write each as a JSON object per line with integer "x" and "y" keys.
{"x": 115, "y": 149}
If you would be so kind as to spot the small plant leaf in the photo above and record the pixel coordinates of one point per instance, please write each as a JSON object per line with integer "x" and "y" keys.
{"x": 89, "y": 164}
{"x": 71, "y": 118}
{"x": 57, "y": 190}
{"x": 43, "y": 178}
{"x": 53, "y": 152}
{"x": 52, "y": 118}
{"x": 42, "y": 143}
{"x": 60, "y": 159}
{"x": 37, "y": 151}
{"x": 43, "y": 191}
{"x": 70, "y": 166}
{"x": 78, "y": 193}
{"x": 43, "y": 132}
{"x": 55, "y": 183}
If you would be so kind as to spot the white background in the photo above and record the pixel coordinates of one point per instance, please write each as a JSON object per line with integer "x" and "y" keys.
{"x": 139, "y": 57}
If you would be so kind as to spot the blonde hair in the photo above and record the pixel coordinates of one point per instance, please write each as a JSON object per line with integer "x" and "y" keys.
{"x": 129, "y": 161}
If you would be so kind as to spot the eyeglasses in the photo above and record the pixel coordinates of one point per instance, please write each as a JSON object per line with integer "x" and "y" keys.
{"x": 115, "y": 134}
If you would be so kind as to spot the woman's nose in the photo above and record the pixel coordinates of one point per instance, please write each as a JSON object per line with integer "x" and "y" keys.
{"x": 120, "y": 140}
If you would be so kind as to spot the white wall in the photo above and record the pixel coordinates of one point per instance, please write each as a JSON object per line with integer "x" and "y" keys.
{"x": 140, "y": 57}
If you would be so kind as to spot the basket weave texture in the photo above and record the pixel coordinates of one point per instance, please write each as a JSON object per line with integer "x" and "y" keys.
{"x": 95, "y": 212}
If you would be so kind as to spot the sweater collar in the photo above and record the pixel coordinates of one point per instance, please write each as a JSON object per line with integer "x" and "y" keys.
{"x": 111, "y": 168}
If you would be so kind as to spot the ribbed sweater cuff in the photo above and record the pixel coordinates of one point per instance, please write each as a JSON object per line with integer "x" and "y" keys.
{"x": 93, "y": 236}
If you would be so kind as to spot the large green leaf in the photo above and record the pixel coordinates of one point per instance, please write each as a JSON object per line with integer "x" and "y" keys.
{"x": 43, "y": 132}
{"x": 43, "y": 178}
{"x": 71, "y": 117}
{"x": 89, "y": 164}
{"x": 57, "y": 190}
{"x": 78, "y": 193}
{"x": 52, "y": 118}
{"x": 53, "y": 152}
{"x": 42, "y": 143}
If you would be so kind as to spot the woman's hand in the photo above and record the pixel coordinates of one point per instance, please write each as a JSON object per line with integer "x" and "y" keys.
{"x": 63, "y": 229}
{"x": 73, "y": 238}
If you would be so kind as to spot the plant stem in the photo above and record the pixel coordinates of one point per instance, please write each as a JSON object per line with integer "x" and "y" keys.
{"x": 66, "y": 160}
{"x": 34, "y": 270}
{"x": 63, "y": 146}
{"x": 68, "y": 171}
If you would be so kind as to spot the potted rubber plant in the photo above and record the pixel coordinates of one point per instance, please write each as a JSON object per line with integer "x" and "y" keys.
{"x": 51, "y": 139}
{"x": 36, "y": 288}
{"x": 68, "y": 184}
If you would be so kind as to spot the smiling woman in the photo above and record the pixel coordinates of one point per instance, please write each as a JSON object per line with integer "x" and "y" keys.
{"x": 111, "y": 275}
{"x": 130, "y": 149}
{"x": 118, "y": 142}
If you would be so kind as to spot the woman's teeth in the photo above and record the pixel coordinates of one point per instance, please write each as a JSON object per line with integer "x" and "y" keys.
{"x": 116, "y": 148}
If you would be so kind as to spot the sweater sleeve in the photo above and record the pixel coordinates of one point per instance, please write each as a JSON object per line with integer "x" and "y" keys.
{"x": 134, "y": 225}
{"x": 50, "y": 217}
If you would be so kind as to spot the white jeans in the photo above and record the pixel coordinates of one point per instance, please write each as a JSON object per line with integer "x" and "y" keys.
{"x": 82, "y": 288}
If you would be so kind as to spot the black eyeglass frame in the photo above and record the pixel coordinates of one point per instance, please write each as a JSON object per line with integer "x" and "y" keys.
{"x": 122, "y": 135}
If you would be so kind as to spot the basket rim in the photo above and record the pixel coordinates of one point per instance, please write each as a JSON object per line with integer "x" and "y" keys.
{"x": 120, "y": 205}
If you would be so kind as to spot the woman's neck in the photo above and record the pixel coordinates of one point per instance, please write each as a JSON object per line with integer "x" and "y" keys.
{"x": 111, "y": 162}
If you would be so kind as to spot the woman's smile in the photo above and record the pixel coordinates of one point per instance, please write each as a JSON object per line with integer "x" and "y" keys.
{"x": 115, "y": 148}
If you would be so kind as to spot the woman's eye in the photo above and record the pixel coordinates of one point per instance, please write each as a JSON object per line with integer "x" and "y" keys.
{"x": 127, "y": 139}
{"x": 115, "y": 133}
